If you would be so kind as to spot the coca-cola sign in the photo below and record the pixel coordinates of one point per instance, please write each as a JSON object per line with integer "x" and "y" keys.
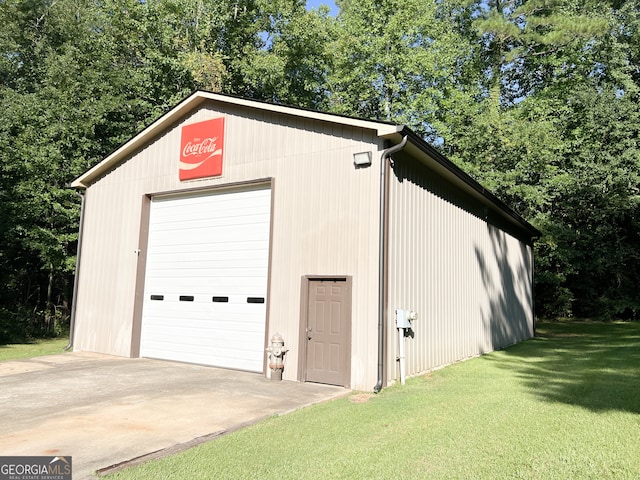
{"x": 201, "y": 149}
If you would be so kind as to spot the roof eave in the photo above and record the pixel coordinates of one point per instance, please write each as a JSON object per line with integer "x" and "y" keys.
{"x": 84, "y": 180}
{"x": 451, "y": 170}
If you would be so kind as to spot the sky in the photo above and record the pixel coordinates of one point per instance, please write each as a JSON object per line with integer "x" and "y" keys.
{"x": 316, "y": 3}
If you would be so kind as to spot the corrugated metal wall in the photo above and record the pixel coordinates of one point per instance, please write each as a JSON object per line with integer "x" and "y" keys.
{"x": 469, "y": 281}
{"x": 324, "y": 223}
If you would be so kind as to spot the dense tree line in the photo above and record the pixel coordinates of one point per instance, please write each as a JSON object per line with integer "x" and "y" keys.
{"x": 537, "y": 99}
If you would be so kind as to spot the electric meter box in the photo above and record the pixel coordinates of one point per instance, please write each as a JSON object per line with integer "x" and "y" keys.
{"x": 403, "y": 318}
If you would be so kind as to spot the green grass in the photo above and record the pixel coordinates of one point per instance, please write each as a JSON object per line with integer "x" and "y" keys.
{"x": 564, "y": 405}
{"x": 36, "y": 348}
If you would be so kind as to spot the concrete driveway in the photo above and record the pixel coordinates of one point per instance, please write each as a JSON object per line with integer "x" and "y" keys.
{"x": 104, "y": 410}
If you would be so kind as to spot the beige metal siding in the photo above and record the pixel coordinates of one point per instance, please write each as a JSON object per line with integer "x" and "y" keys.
{"x": 469, "y": 281}
{"x": 324, "y": 222}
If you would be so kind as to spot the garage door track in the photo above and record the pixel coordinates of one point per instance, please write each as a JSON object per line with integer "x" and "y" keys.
{"x": 104, "y": 410}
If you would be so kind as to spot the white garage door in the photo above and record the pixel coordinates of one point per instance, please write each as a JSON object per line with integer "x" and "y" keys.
{"x": 206, "y": 279}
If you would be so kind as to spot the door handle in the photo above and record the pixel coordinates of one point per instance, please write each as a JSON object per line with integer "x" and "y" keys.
{"x": 309, "y": 333}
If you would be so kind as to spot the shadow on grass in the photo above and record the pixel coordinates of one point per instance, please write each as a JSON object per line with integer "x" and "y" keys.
{"x": 588, "y": 364}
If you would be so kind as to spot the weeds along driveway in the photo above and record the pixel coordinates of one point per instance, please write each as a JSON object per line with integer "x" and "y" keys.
{"x": 104, "y": 410}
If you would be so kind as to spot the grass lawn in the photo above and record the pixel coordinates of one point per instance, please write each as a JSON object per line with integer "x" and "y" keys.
{"x": 36, "y": 348}
{"x": 565, "y": 405}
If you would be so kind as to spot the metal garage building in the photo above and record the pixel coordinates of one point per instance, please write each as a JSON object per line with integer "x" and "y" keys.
{"x": 228, "y": 220}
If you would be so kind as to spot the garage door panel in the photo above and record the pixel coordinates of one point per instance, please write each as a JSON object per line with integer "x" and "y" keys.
{"x": 224, "y": 295}
{"x": 219, "y": 235}
{"x": 206, "y": 269}
{"x": 168, "y": 218}
{"x": 220, "y": 256}
{"x": 208, "y": 246}
{"x": 193, "y": 335}
{"x": 239, "y": 220}
{"x": 228, "y": 202}
{"x": 202, "y": 355}
{"x": 205, "y": 319}
{"x": 245, "y": 267}
{"x": 186, "y": 285}
{"x": 199, "y": 350}
{"x": 255, "y": 251}
{"x": 191, "y": 338}
{"x": 225, "y": 352}
{"x": 174, "y": 270}
{"x": 228, "y": 311}
{"x": 167, "y": 273}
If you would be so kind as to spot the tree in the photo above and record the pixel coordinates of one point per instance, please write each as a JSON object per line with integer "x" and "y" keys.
{"x": 75, "y": 85}
{"x": 293, "y": 62}
{"x": 537, "y": 99}
{"x": 396, "y": 61}
{"x": 78, "y": 78}
{"x": 552, "y": 133}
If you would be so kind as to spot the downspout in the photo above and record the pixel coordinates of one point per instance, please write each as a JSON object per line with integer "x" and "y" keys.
{"x": 72, "y": 321}
{"x": 382, "y": 255}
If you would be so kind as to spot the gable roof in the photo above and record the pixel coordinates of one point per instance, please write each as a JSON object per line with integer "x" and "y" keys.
{"x": 386, "y": 130}
{"x": 383, "y": 129}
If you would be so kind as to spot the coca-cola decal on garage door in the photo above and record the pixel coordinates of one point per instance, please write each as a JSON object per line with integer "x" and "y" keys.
{"x": 201, "y": 149}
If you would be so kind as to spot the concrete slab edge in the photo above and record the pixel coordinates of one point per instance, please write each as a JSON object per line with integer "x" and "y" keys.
{"x": 180, "y": 447}
{"x": 165, "y": 452}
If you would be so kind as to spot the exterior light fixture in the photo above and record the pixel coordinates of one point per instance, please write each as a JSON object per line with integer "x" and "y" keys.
{"x": 362, "y": 159}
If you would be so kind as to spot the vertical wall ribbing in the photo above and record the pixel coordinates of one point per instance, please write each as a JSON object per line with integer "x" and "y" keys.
{"x": 469, "y": 281}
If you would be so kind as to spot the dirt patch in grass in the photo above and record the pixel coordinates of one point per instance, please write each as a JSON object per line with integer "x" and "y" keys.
{"x": 361, "y": 397}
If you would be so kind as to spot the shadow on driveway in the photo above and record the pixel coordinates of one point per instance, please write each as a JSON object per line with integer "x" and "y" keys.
{"x": 104, "y": 410}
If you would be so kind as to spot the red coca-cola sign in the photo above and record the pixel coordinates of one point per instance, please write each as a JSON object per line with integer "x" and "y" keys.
{"x": 201, "y": 149}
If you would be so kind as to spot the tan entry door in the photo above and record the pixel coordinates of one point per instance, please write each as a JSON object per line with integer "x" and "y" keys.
{"x": 328, "y": 331}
